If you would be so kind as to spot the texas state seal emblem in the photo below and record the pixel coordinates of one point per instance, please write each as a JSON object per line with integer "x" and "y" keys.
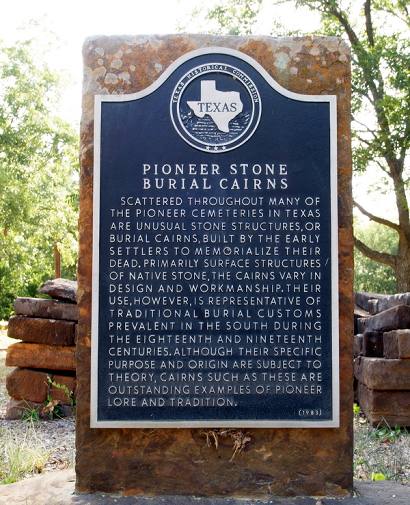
{"x": 215, "y": 107}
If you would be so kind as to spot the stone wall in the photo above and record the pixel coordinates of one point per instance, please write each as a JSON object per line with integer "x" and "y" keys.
{"x": 45, "y": 356}
{"x": 179, "y": 461}
{"x": 382, "y": 358}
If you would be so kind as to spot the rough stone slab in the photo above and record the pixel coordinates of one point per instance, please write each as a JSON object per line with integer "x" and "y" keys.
{"x": 15, "y": 409}
{"x": 390, "y": 319}
{"x": 373, "y": 344}
{"x": 359, "y": 312}
{"x": 392, "y": 407}
{"x": 357, "y": 345}
{"x": 42, "y": 331}
{"x": 386, "y": 302}
{"x": 33, "y": 385}
{"x": 57, "y": 488}
{"x": 362, "y": 298}
{"x": 277, "y": 461}
{"x": 396, "y": 344}
{"x": 61, "y": 289}
{"x": 42, "y": 356}
{"x": 383, "y": 374}
{"x": 361, "y": 324}
{"x": 375, "y": 302}
{"x": 48, "y": 309}
{"x": 373, "y": 306}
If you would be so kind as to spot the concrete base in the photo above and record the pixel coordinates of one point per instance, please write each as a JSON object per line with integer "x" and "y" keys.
{"x": 57, "y": 488}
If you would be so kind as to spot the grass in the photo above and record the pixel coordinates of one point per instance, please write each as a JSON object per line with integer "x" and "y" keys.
{"x": 381, "y": 453}
{"x": 21, "y": 455}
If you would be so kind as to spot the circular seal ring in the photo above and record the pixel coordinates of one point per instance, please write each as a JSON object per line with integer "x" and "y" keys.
{"x": 242, "y": 132}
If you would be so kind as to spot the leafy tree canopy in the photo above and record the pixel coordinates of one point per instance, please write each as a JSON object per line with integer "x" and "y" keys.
{"x": 369, "y": 275}
{"x": 378, "y": 33}
{"x": 38, "y": 176}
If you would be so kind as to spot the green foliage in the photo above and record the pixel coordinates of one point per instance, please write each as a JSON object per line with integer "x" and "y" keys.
{"x": 235, "y": 18}
{"x": 377, "y": 31}
{"x": 38, "y": 177}
{"x": 30, "y": 414}
{"x": 386, "y": 434}
{"x": 370, "y": 275}
{"x": 377, "y": 476}
{"x": 69, "y": 394}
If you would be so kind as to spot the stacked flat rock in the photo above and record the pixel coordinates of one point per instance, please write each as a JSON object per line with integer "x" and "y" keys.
{"x": 382, "y": 358}
{"x": 45, "y": 355}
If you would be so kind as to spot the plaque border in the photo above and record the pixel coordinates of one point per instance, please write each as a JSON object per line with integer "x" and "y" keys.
{"x": 232, "y": 423}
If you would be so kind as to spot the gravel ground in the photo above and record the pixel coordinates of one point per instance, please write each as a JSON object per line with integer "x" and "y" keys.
{"x": 382, "y": 452}
{"x": 56, "y": 436}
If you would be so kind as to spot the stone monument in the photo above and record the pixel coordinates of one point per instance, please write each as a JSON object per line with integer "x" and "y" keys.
{"x": 215, "y": 270}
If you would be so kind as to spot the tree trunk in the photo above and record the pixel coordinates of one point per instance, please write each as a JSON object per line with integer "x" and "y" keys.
{"x": 57, "y": 262}
{"x": 402, "y": 268}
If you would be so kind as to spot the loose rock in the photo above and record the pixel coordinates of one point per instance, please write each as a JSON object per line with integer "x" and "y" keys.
{"x": 61, "y": 289}
{"x": 383, "y": 374}
{"x": 48, "y": 309}
{"x": 397, "y": 344}
{"x": 42, "y": 331}
{"x": 33, "y": 385}
{"x": 43, "y": 356}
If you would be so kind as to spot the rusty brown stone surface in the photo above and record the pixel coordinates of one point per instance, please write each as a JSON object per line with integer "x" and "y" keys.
{"x": 383, "y": 374}
{"x": 41, "y": 331}
{"x": 396, "y": 344}
{"x": 178, "y": 461}
{"x": 48, "y": 309}
{"x": 42, "y": 356}
{"x": 33, "y": 385}
{"x": 392, "y": 407}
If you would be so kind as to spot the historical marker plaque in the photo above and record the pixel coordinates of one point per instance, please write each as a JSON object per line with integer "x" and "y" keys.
{"x": 215, "y": 296}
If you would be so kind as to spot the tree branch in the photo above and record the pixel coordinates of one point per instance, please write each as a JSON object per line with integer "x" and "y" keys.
{"x": 369, "y": 143}
{"x": 400, "y": 195}
{"x": 385, "y": 258}
{"x": 362, "y": 92}
{"x": 403, "y": 150}
{"x": 372, "y": 132}
{"x": 369, "y": 23}
{"x": 372, "y": 74}
{"x": 377, "y": 219}
{"x": 384, "y": 169}
{"x": 406, "y": 15}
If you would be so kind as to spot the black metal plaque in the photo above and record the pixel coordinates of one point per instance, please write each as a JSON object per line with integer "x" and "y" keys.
{"x": 215, "y": 251}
